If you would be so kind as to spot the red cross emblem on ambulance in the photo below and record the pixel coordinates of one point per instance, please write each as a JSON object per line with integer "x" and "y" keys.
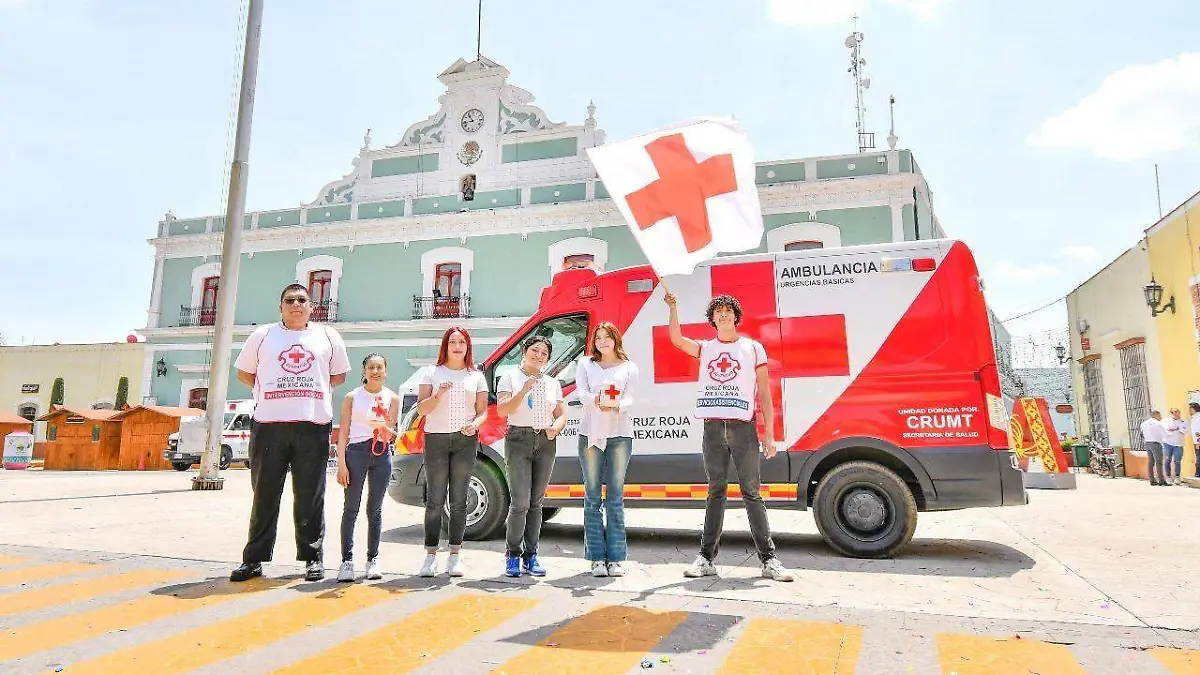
{"x": 296, "y": 359}
{"x": 724, "y": 368}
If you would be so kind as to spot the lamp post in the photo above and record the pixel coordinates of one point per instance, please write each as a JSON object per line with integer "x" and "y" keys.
{"x": 1060, "y": 352}
{"x": 1154, "y": 294}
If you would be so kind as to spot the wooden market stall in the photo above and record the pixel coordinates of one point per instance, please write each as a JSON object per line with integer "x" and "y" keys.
{"x": 10, "y": 422}
{"x": 144, "y": 434}
{"x": 81, "y": 439}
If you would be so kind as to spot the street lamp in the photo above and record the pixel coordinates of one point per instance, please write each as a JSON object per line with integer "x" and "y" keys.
{"x": 1060, "y": 351}
{"x": 1154, "y": 294}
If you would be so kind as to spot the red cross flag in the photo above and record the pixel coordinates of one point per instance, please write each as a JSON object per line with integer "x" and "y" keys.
{"x": 687, "y": 192}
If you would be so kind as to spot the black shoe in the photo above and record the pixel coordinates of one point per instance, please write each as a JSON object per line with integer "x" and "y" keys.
{"x": 314, "y": 571}
{"x": 246, "y": 571}
{"x": 1154, "y": 483}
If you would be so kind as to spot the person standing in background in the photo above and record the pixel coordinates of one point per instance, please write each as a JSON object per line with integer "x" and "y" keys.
{"x": 1176, "y": 430}
{"x": 1153, "y": 433}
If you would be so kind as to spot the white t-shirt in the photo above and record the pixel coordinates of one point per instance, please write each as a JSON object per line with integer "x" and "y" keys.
{"x": 457, "y": 406}
{"x": 367, "y": 410}
{"x": 591, "y": 379}
{"x": 1176, "y": 430}
{"x": 1153, "y": 431}
{"x": 1195, "y": 425}
{"x": 537, "y": 410}
{"x": 728, "y": 381}
{"x": 292, "y": 370}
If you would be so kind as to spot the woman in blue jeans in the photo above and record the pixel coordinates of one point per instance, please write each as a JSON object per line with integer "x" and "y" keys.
{"x": 605, "y": 380}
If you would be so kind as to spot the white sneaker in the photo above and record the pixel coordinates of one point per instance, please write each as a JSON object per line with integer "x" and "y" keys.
{"x": 701, "y": 567}
{"x": 429, "y": 567}
{"x": 455, "y": 566}
{"x": 346, "y": 571}
{"x": 373, "y": 571}
{"x": 599, "y": 569}
{"x": 773, "y": 569}
{"x": 616, "y": 569}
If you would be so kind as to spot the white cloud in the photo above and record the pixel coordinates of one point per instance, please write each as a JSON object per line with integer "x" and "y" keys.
{"x": 829, "y": 12}
{"x": 1084, "y": 253}
{"x": 1009, "y": 270}
{"x": 1136, "y": 112}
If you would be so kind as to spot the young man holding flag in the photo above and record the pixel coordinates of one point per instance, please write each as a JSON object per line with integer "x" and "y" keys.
{"x": 687, "y": 193}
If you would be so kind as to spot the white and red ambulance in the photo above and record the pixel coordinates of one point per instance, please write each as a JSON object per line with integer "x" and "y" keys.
{"x": 186, "y": 446}
{"x": 883, "y": 374}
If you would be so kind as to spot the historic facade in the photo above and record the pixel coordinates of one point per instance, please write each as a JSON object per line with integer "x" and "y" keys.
{"x": 461, "y": 222}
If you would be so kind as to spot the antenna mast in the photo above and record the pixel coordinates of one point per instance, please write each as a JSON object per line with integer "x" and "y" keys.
{"x": 866, "y": 141}
{"x": 479, "y": 33}
{"x": 1158, "y": 191}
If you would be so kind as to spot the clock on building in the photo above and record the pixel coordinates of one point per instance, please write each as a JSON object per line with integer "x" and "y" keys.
{"x": 472, "y": 120}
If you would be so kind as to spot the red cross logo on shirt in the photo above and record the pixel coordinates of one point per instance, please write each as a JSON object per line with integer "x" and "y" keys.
{"x": 815, "y": 345}
{"x": 724, "y": 368}
{"x": 378, "y": 410}
{"x": 296, "y": 359}
{"x": 681, "y": 189}
{"x": 612, "y": 392}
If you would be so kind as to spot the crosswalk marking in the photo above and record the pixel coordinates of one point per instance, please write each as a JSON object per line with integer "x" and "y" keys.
{"x": 415, "y": 640}
{"x": 11, "y": 560}
{"x": 605, "y": 640}
{"x": 1178, "y": 661}
{"x": 37, "y": 598}
{"x": 807, "y": 647}
{"x": 39, "y": 572}
{"x": 981, "y": 655}
{"x": 225, "y": 639}
{"x": 123, "y": 616}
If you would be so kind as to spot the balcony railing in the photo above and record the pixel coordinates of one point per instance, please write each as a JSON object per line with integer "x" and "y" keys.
{"x": 325, "y": 312}
{"x": 458, "y": 307}
{"x": 197, "y": 316}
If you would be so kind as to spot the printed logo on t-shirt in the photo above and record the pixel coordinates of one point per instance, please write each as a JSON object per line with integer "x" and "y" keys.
{"x": 296, "y": 359}
{"x": 724, "y": 368}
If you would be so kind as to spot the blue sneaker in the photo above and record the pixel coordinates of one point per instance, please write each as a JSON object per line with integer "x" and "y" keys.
{"x": 512, "y": 566}
{"x": 532, "y": 566}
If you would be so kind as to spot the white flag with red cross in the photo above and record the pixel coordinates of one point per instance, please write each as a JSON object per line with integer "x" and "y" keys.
{"x": 687, "y": 192}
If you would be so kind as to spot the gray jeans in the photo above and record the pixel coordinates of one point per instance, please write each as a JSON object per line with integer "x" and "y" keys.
{"x": 449, "y": 460}
{"x": 1154, "y": 465}
{"x": 723, "y": 440}
{"x": 528, "y": 459}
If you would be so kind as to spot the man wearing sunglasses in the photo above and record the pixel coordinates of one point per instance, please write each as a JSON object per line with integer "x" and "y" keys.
{"x": 292, "y": 367}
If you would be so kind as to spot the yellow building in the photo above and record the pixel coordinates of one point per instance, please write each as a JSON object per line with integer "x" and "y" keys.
{"x": 1175, "y": 266}
{"x": 91, "y": 374}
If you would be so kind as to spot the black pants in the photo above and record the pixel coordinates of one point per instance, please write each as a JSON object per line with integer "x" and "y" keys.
{"x": 274, "y": 448}
{"x": 374, "y": 471}
{"x": 449, "y": 460}
{"x": 725, "y": 440}
{"x": 529, "y": 461}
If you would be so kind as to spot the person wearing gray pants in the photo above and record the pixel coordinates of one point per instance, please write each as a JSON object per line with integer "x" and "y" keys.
{"x": 1153, "y": 435}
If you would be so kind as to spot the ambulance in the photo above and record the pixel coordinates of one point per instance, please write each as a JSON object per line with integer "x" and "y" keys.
{"x": 883, "y": 378}
{"x": 185, "y": 447}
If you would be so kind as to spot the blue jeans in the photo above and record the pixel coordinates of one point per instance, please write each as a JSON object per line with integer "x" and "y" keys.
{"x": 374, "y": 471}
{"x": 1172, "y": 454}
{"x": 604, "y": 542}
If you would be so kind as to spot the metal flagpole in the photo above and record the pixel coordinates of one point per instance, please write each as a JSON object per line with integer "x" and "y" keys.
{"x": 231, "y": 256}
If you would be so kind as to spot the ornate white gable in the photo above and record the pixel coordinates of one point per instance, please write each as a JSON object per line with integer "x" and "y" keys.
{"x": 483, "y": 126}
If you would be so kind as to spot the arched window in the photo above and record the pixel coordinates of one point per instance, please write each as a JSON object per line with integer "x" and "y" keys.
{"x": 445, "y": 284}
{"x": 575, "y": 260}
{"x": 578, "y": 252}
{"x": 320, "y": 293}
{"x": 208, "y": 300}
{"x": 803, "y": 245}
{"x": 198, "y": 398}
{"x": 803, "y": 235}
{"x": 321, "y": 274}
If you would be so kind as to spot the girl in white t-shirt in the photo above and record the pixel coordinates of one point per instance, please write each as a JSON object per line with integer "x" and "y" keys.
{"x": 532, "y": 402}
{"x": 364, "y": 456}
{"x": 453, "y": 399}
{"x": 605, "y": 380}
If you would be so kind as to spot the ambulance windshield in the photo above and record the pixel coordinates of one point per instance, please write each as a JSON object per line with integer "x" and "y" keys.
{"x": 568, "y": 334}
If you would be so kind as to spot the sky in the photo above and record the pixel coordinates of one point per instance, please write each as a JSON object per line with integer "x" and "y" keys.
{"x": 1037, "y": 124}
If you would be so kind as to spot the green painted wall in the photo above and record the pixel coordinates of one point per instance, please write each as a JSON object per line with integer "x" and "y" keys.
{"x": 176, "y": 288}
{"x": 524, "y": 152}
{"x": 864, "y": 165}
{"x": 601, "y": 191}
{"x": 260, "y": 280}
{"x": 219, "y": 223}
{"x": 870, "y": 225}
{"x": 440, "y": 204}
{"x": 371, "y": 210}
{"x": 397, "y": 166}
{"x": 783, "y": 173}
{"x": 193, "y": 226}
{"x": 906, "y": 163}
{"x": 278, "y": 218}
{"x": 908, "y": 215}
{"x": 566, "y": 193}
{"x": 328, "y": 214}
{"x": 493, "y": 199}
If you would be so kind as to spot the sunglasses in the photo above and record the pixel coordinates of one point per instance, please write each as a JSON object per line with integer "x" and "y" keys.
{"x": 295, "y": 301}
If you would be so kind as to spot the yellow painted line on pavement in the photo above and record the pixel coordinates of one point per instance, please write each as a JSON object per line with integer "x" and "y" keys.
{"x": 189, "y": 650}
{"x": 67, "y": 630}
{"x": 809, "y": 647}
{"x": 415, "y": 640}
{"x": 980, "y": 655}
{"x": 37, "y": 598}
{"x": 39, "y": 572}
{"x": 1178, "y": 661}
{"x": 605, "y": 640}
{"x": 12, "y": 560}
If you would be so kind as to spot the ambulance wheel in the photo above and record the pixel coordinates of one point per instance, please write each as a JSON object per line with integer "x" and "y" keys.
{"x": 487, "y": 502}
{"x": 864, "y": 510}
{"x": 180, "y": 466}
{"x": 549, "y": 512}
{"x": 226, "y": 457}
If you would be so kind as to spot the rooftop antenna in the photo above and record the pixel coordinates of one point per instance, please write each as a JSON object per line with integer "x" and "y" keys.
{"x": 1158, "y": 190}
{"x": 866, "y": 141}
{"x": 892, "y": 114}
{"x": 479, "y": 33}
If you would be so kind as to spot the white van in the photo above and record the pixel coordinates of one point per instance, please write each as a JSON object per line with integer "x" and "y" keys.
{"x": 235, "y": 439}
